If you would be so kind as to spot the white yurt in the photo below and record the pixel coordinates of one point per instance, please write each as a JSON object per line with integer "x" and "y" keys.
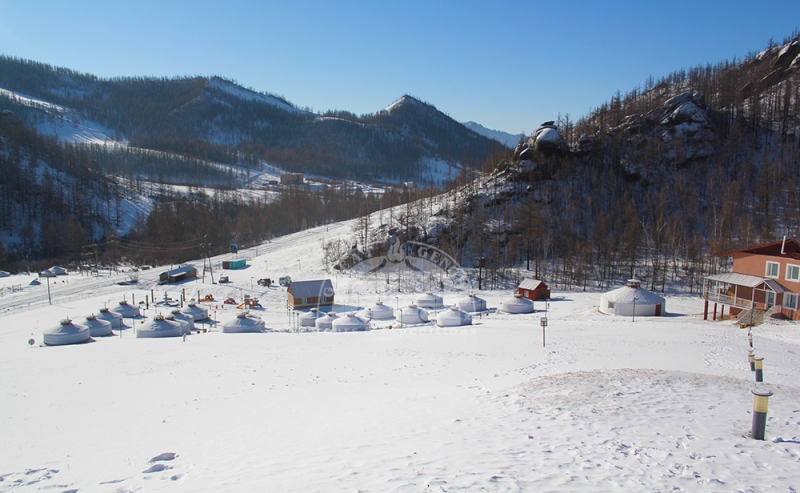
{"x": 517, "y": 304}
{"x": 126, "y": 310}
{"x": 412, "y": 314}
{"x": 472, "y": 304}
{"x": 98, "y": 327}
{"x": 430, "y": 300}
{"x": 453, "y": 318}
{"x": 349, "y": 323}
{"x": 47, "y": 273}
{"x": 186, "y": 318}
{"x": 114, "y": 318}
{"x": 632, "y": 300}
{"x": 4, "y": 273}
{"x": 59, "y": 271}
{"x": 243, "y": 323}
{"x": 326, "y": 322}
{"x": 309, "y": 318}
{"x": 378, "y": 311}
{"x": 197, "y": 312}
{"x": 184, "y": 324}
{"x": 66, "y": 333}
{"x": 159, "y": 327}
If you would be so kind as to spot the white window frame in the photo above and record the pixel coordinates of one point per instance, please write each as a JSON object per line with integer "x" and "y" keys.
{"x": 790, "y": 300}
{"x": 795, "y": 267}
{"x": 777, "y": 270}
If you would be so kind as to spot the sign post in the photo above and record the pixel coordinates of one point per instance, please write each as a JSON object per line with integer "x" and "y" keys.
{"x": 543, "y": 322}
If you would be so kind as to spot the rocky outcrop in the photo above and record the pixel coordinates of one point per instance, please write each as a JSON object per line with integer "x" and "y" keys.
{"x": 548, "y": 140}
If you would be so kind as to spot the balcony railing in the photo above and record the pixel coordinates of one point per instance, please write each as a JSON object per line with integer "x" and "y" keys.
{"x": 727, "y": 299}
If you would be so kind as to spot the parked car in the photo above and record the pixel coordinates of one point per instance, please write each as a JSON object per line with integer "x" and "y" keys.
{"x": 284, "y": 281}
{"x": 265, "y": 282}
{"x": 224, "y": 280}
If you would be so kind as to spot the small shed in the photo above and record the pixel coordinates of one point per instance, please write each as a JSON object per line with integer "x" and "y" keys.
{"x": 350, "y": 323}
{"x": 177, "y": 275}
{"x": 430, "y": 300}
{"x": 309, "y": 318}
{"x": 517, "y": 304}
{"x": 412, "y": 314}
{"x": 379, "y": 311}
{"x": 472, "y": 304}
{"x": 243, "y": 323}
{"x": 197, "y": 312}
{"x": 533, "y": 289}
{"x": 159, "y": 327}
{"x": 326, "y": 323}
{"x": 307, "y": 294}
{"x": 114, "y": 318}
{"x": 632, "y": 300}
{"x": 66, "y": 333}
{"x": 234, "y": 264}
{"x": 454, "y": 317}
{"x": 126, "y": 310}
{"x": 98, "y": 327}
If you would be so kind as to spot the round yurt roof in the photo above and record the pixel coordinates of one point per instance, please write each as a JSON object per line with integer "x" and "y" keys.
{"x": 349, "y": 323}
{"x": 379, "y": 311}
{"x": 66, "y": 333}
{"x": 325, "y": 323}
{"x": 308, "y": 318}
{"x": 243, "y": 323}
{"x": 195, "y": 311}
{"x": 472, "y": 303}
{"x": 186, "y": 318}
{"x": 185, "y": 328}
{"x": 517, "y": 304}
{"x": 126, "y": 310}
{"x": 627, "y": 294}
{"x": 412, "y": 314}
{"x": 97, "y": 326}
{"x": 453, "y": 317}
{"x": 160, "y": 327}
{"x": 113, "y": 317}
{"x": 430, "y": 300}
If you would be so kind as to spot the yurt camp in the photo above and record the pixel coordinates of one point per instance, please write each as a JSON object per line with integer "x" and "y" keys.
{"x": 379, "y": 311}
{"x": 454, "y": 317}
{"x": 412, "y": 314}
{"x": 197, "y": 312}
{"x": 632, "y": 300}
{"x": 66, "y": 332}
{"x": 430, "y": 300}
{"x": 159, "y": 326}
{"x": 517, "y": 304}
{"x": 114, "y": 318}
{"x": 186, "y": 318}
{"x": 98, "y": 327}
{"x": 349, "y": 323}
{"x": 243, "y": 323}
{"x": 309, "y": 318}
{"x": 326, "y": 323}
{"x": 472, "y": 304}
{"x": 126, "y": 310}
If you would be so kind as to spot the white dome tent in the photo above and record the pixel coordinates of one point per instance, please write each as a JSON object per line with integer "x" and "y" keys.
{"x": 183, "y": 323}
{"x": 98, "y": 327}
{"x": 632, "y": 300}
{"x": 453, "y": 317}
{"x": 517, "y": 304}
{"x": 197, "y": 312}
{"x": 186, "y": 318}
{"x": 379, "y": 311}
{"x": 126, "y": 310}
{"x": 326, "y": 323}
{"x": 114, "y": 318}
{"x": 159, "y": 327}
{"x": 66, "y": 333}
{"x": 243, "y": 323}
{"x": 472, "y": 304}
{"x": 349, "y": 323}
{"x": 309, "y": 318}
{"x": 430, "y": 300}
{"x": 412, "y": 314}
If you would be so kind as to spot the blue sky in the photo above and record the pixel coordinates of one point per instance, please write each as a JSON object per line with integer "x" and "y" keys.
{"x": 508, "y": 65}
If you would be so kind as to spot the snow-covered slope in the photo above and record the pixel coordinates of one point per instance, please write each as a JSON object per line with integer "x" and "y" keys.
{"x": 248, "y": 95}
{"x": 602, "y": 404}
{"x": 505, "y": 138}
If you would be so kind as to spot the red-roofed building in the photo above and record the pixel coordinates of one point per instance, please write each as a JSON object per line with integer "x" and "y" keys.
{"x": 533, "y": 289}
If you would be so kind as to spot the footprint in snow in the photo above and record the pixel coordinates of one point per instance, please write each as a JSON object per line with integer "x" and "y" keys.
{"x": 163, "y": 457}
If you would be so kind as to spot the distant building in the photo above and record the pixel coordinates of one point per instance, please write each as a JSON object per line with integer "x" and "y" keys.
{"x": 307, "y": 294}
{"x": 177, "y": 275}
{"x": 292, "y": 178}
{"x": 533, "y": 289}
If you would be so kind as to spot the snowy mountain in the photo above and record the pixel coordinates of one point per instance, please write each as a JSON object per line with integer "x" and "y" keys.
{"x": 505, "y": 138}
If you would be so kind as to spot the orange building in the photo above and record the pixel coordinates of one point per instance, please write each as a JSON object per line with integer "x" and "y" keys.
{"x": 765, "y": 282}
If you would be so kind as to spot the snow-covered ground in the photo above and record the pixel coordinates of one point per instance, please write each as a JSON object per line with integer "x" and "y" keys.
{"x": 606, "y": 404}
